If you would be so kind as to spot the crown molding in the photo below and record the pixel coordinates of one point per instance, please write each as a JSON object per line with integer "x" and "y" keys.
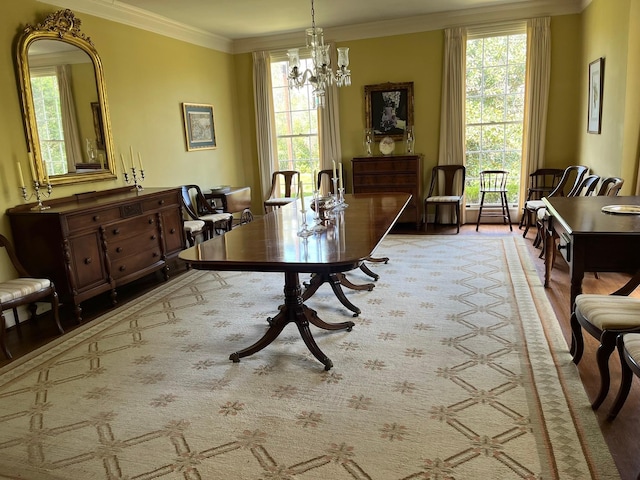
{"x": 119, "y": 12}
{"x": 135, "y": 17}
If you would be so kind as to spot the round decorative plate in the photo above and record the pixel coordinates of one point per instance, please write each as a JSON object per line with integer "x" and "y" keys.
{"x": 220, "y": 189}
{"x": 387, "y": 146}
{"x": 622, "y": 209}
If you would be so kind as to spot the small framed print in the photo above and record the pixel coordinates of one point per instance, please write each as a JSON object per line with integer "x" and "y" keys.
{"x": 596, "y": 83}
{"x": 199, "y": 126}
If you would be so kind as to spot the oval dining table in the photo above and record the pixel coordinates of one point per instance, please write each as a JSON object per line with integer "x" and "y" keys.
{"x": 271, "y": 244}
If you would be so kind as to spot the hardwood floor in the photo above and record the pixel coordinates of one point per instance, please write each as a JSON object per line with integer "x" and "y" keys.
{"x": 619, "y": 434}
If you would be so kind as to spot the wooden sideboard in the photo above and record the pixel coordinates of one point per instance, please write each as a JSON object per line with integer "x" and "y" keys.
{"x": 91, "y": 243}
{"x": 392, "y": 173}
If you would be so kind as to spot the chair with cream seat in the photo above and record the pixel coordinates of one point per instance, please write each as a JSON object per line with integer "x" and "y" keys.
{"x": 446, "y": 189}
{"x": 629, "y": 350}
{"x": 24, "y": 290}
{"x": 604, "y": 317}
{"x": 568, "y": 186}
{"x": 197, "y": 208}
{"x": 541, "y": 183}
{"x": 193, "y": 229}
{"x": 610, "y": 186}
{"x": 282, "y": 179}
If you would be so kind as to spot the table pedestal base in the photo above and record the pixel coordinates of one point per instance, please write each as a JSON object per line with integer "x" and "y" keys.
{"x": 294, "y": 311}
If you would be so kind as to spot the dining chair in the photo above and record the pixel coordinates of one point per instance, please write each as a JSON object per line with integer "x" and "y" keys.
{"x": 282, "y": 179}
{"x": 193, "y": 229}
{"x": 446, "y": 189}
{"x": 541, "y": 182}
{"x": 494, "y": 183}
{"x": 604, "y": 317}
{"x": 567, "y": 186}
{"x": 610, "y": 186}
{"x": 24, "y": 290}
{"x": 629, "y": 350}
{"x": 324, "y": 184}
{"x": 198, "y": 208}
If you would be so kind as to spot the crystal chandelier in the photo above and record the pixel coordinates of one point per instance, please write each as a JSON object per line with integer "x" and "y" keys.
{"x": 322, "y": 76}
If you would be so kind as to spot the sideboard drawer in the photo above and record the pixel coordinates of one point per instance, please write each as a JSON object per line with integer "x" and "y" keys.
{"x": 92, "y": 220}
{"x": 161, "y": 201}
{"x": 132, "y": 264}
{"x": 123, "y": 247}
{"x": 133, "y": 227}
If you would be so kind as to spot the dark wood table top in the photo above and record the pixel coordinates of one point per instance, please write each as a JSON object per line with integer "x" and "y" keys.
{"x": 584, "y": 215}
{"x": 271, "y": 243}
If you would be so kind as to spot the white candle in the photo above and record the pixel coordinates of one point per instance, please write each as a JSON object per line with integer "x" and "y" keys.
{"x": 131, "y": 151}
{"x": 20, "y": 175}
{"x": 31, "y": 165}
{"x": 340, "y": 176}
{"x": 315, "y": 180}
{"x": 124, "y": 167}
{"x": 334, "y": 169}
{"x": 140, "y": 161}
{"x": 301, "y": 194}
{"x": 46, "y": 173}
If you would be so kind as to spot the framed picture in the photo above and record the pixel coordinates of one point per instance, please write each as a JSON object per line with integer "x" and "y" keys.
{"x": 97, "y": 125}
{"x": 199, "y": 126}
{"x": 596, "y": 82}
{"x": 389, "y": 109}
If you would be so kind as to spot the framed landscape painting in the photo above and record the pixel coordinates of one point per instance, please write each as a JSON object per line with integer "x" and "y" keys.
{"x": 389, "y": 109}
{"x": 199, "y": 126}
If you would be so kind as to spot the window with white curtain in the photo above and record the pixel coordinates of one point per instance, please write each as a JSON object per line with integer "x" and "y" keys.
{"x": 495, "y": 89}
{"x": 296, "y": 122}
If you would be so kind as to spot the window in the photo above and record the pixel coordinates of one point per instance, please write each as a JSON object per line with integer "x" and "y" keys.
{"x": 46, "y": 101}
{"x": 495, "y": 80}
{"x": 296, "y": 123}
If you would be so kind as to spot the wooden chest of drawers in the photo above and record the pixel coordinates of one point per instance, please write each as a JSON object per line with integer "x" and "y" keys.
{"x": 392, "y": 173}
{"x": 91, "y": 243}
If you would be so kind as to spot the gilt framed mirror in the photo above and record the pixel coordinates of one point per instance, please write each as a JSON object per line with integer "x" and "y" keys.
{"x": 64, "y": 102}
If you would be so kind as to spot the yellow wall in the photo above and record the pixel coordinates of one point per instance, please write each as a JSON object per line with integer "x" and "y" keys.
{"x": 607, "y": 33}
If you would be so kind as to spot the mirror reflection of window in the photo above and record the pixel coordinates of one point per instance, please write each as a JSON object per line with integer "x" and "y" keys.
{"x": 46, "y": 102}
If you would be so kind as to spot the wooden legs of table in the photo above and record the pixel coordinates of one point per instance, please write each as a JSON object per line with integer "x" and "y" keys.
{"x": 337, "y": 281}
{"x": 294, "y": 311}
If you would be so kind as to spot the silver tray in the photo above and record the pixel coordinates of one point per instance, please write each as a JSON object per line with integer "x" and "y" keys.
{"x": 622, "y": 209}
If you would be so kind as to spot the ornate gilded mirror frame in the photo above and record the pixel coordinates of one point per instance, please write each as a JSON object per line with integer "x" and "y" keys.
{"x": 63, "y": 26}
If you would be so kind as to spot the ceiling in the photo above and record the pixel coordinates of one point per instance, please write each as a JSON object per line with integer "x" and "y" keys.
{"x": 237, "y": 22}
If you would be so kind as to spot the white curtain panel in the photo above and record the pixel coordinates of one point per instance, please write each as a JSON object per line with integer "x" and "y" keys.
{"x": 73, "y": 145}
{"x": 452, "y": 116}
{"x": 536, "y": 98}
{"x": 264, "y": 125}
{"x": 329, "y": 123}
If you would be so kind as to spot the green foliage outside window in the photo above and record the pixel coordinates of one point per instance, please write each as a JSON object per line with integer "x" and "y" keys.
{"x": 494, "y": 110}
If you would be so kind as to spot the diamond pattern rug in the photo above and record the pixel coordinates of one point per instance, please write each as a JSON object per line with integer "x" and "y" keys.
{"x": 456, "y": 369}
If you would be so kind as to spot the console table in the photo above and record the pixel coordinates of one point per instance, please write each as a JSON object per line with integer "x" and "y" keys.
{"x": 392, "y": 173}
{"x": 91, "y": 243}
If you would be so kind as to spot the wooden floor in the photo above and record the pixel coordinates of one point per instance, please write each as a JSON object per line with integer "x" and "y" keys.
{"x": 619, "y": 434}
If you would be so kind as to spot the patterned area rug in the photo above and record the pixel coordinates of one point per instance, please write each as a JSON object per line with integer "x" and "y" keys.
{"x": 456, "y": 369}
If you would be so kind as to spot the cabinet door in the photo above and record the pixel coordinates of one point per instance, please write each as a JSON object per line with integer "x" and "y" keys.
{"x": 172, "y": 231}
{"x": 87, "y": 262}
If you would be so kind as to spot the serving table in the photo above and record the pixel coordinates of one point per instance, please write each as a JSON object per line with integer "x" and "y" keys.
{"x": 591, "y": 240}
{"x": 271, "y": 244}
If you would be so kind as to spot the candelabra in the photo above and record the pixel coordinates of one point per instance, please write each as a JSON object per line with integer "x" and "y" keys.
{"x": 318, "y": 227}
{"x": 304, "y": 230}
{"x": 38, "y": 194}
{"x": 127, "y": 180}
{"x": 339, "y": 203}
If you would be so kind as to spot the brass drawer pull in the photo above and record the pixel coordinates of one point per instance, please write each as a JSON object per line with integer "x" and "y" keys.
{"x": 87, "y": 260}
{"x": 96, "y": 218}
{"x": 123, "y": 268}
{"x": 161, "y": 202}
{"x": 116, "y": 231}
{"x": 173, "y": 230}
{"x": 153, "y": 237}
{"x": 151, "y": 221}
{"x": 119, "y": 249}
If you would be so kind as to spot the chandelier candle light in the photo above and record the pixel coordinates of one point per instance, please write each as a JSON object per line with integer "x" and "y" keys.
{"x": 322, "y": 76}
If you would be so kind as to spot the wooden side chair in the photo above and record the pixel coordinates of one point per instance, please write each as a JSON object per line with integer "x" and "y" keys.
{"x": 193, "y": 229}
{"x": 446, "y": 189}
{"x": 197, "y": 208}
{"x": 290, "y": 180}
{"x": 610, "y": 186}
{"x": 24, "y": 290}
{"x": 541, "y": 183}
{"x": 494, "y": 183}
{"x": 568, "y": 185}
{"x": 629, "y": 350}
{"x": 604, "y": 317}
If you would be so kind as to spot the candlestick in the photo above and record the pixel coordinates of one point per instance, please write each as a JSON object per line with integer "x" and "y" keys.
{"x": 140, "y": 161}
{"x": 334, "y": 169}
{"x": 20, "y": 175}
{"x": 131, "y": 152}
{"x": 32, "y": 167}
